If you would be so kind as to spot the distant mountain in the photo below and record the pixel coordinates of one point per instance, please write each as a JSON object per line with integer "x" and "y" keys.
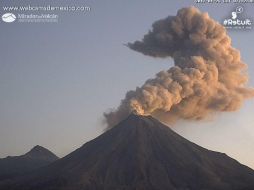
{"x": 140, "y": 153}
{"x": 37, "y": 157}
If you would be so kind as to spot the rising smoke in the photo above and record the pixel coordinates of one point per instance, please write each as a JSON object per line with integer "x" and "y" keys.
{"x": 208, "y": 76}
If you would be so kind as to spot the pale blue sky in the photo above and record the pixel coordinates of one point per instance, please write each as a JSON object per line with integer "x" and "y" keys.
{"x": 57, "y": 79}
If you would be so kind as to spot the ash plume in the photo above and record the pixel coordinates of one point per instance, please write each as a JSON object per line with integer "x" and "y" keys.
{"x": 209, "y": 75}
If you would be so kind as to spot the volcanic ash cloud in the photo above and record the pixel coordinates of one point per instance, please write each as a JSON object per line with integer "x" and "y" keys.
{"x": 208, "y": 76}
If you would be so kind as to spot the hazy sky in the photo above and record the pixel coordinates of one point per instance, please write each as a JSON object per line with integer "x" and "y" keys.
{"x": 57, "y": 79}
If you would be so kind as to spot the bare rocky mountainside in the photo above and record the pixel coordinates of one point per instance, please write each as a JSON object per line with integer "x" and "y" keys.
{"x": 37, "y": 157}
{"x": 139, "y": 153}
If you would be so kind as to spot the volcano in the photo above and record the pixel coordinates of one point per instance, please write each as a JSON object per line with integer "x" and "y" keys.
{"x": 139, "y": 153}
{"x": 37, "y": 157}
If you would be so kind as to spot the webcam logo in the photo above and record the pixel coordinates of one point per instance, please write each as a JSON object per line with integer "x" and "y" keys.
{"x": 237, "y": 20}
{"x": 8, "y": 17}
{"x": 238, "y": 10}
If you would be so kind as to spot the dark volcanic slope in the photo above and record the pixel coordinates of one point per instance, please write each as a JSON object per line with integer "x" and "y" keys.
{"x": 140, "y": 153}
{"x": 15, "y": 165}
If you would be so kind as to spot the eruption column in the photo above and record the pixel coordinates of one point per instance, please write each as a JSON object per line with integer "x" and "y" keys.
{"x": 209, "y": 75}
